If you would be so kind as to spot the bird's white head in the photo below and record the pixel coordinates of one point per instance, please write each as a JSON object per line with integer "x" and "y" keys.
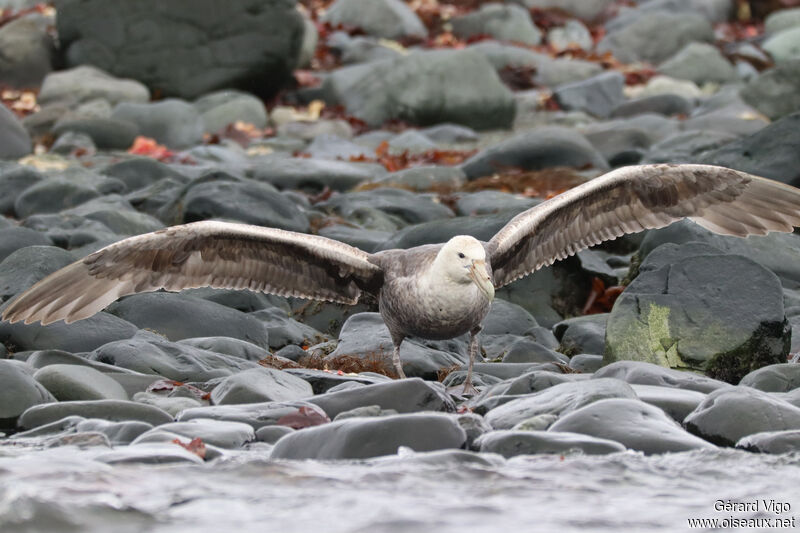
{"x": 463, "y": 260}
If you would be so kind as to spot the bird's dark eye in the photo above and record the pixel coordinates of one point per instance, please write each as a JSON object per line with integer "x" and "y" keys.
{"x": 460, "y": 255}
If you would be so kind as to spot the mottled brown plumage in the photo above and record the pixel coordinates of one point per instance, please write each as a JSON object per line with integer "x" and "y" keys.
{"x": 433, "y": 291}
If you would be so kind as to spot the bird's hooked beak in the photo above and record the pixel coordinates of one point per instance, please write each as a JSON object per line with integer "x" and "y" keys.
{"x": 481, "y": 277}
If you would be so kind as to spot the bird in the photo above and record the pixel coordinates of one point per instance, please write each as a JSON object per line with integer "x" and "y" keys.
{"x": 433, "y": 291}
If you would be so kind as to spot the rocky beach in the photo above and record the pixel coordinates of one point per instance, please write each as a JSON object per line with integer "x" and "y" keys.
{"x": 630, "y": 387}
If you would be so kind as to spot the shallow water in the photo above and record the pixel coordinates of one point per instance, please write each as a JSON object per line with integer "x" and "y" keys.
{"x": 64, "y": 490}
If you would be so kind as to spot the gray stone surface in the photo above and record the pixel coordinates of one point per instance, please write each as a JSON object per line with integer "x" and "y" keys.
{"x": 782, "y": 377}
{"x": 501, "y": 21}
{"x": 19, "y": 391}
{"x": 86, "y": 83}
{"x": 598, "y": 95}
{"x": 172, "y": 122}
{"x": 583, "y": 334}
{"x": 25, "y": 266}
{"x": 781, "y": 19}
{"x": 28, "y": 52}
{"x": 77, "y": 382}
{"x": 557, "y": 400}
{"x": 641, "y": 373}
{"x": 118, "y": 433}
{"x": 466, "y": 90}
{"x": 14, "y": 140}
{"x": 113, "y": 410}
{"x": 783, "y": 45}
{"x": 310, "y": 174}
{"x": 700, "y": 63}
{"x": 510, "y": 443}
{"x": 260, "y": 385}
{"x": 358, "y": 438}
{"x": 771, "y": 442}
{"x": 677, "y": 403}
{"x": 185, "y": 48}
{"x": 214, "y": 432}
{"x": 775, "y": 91}
{"x": 222, "y": 108}
{"x": 291, "y": 414}
{"x": 633, "y": 423}
{"x": 391, "y": 19}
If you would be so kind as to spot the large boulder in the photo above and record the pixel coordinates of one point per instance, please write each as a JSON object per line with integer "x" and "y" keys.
{"x": 185, "y": 48}
{"x": 424, "y": 88}
{"x": 694, "y": 308}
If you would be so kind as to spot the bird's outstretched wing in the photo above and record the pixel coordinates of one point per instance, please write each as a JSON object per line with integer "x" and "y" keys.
{"x": 202, "y": 254}
{"x": 635, "y": 198}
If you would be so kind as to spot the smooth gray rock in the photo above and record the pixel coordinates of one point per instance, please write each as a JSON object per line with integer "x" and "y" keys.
{"x": 598, "y": 95}
{"x": 584, "y": 334}
{"x": 253, "y": 47}
{"x": 113, "y": 410}
{"x": 530, "y": 382}
{"x": 19, "y": 391}
{"x": 729, "y": 414}
{"x": 271, "y": 434}
{"x": 25, "y": 266}
{"x": 782, "y": 377}
{"x": 525, "y": 350}
{"x": 358, "y": 438}
{"x": 149, "y": 453}
{"x": 260, "y": 385}
{"x": 17, "y": 238}
{"x": 215, "y": 432}
{"x": 391, "y": 19}
{"x": 686, "y": 146}
{"x": 536, "y": 149}
{"x": 14, "y": 140}
{"x": 53, "y": 195}
{"x": 291, "y": 414}
{"x": 586, "y": 362}
{"x": 228, "y": 346}
{"x": 775, "y": 91}
{"x": 641, "y": 373}
{"x": 322, "y": 381}
{"x": 28, "y": 52}
{"x": 656, "y": 36}
{"x": 783, "y": 45}
{"x": 328, "y": 146}
{"x": 82, "y": 336}
{"x": 501, "y": 21}
{"x": 404, "y": 396}
{"x": 580, "y": 8}
{"x": 720, "y": 314}
{"x": 118, "y": 433}
{"x": 365, "y": 336}
{"x": 172, "y": 122}
{"x": 77, "y": 382}
{"x": 781, "y": 19}
{"x": 104, "y": 133}
{"x": 466, "y": 90}
{"x": 14, "y": 179}
{"x": 632, "y": 423}
{"x": 85, "y": 83}
{"x": 406, "y": 206}
{"x": 771, "y": 442}
{"x": 489, "y": 201}
{"x": 700, "y": 63}
{"x": 662, "y": 104}
{"x": 311, "y": 174}
{"x": 223, "y": 108}
{"x": 425, "y": 177}
{"x": 171, "y": 404}
{"x": 179, "y": 317}
{"x": 510, "y": 443}
{"x": 283, "y": 330}
{"x": 572, "y": 34}
{"x": 149, "y": 353}
{"x": 677, "y": 403}
{"x": 557, "y": 400}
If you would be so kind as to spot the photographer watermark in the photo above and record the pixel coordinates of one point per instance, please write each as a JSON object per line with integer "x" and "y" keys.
{"x": 757, "y": 513}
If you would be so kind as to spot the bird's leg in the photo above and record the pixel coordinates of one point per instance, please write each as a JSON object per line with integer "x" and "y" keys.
{"x": 398, "y": 366}
{"x": 469, "y": 388}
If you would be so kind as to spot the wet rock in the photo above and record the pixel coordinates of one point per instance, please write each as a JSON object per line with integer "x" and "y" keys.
{"x": 501, "y": 21}
{"x": 247, "y": 201}
{"x": 597, "y": 96}
{"x": 74, "y": 142}
{"x": 28, "y": 52}
{"x": 19, "y": 391}
{"x": 408, "y": 207}
{"x": 254, "y": 47}
{"x": 584, "y": 334}
{"x": 557, "y": 400}
{"x": 322, "y": 381}
{"x": 172, "y": 122}
{"x": 774, "y": 378}
{"x": 118, "y": 433}
{"x": 530, "y": 382}
{"x": 228, "y": 346}
{"x": 84, "y": 83}
{"x": 525, "y": 350}
{"x": 662, "y": 104}
{"x": 113, "y": 410}
{"x": 466, "y": 90}
{"x": 17, "y": 238}
{"x": 76, "y": 382}
{"x": 358, "y": 438}
{"x": 783, "y": 45}
{"x": 52, "y": 196}
{"x": 222, "y": 108}
{"x": 686, "y": 146}
{"x": 677, "y": 403}
{"x": 782, "y": 20}
{"x": 586, "y": 362}
{"x": 283, "y": 330}
{"x": 587, "y": 11}
{"x": 149, "y": 453}
{"x": 412, "y": 142}
{"x": 474, "y": 426}
{"x": 140, "y": 172}
{"x": 510, "y": 443}
{"x": 104, "y": 133}
{"x": 771, "y": 442}
{"x": 729, "y": 414}
{"x": 665, "y": 85}
{"x": 150, "y": 353}
{"x": 291, "y": 414}
{"x": 391, "y": 19}
{"x": 641, "y": 373}
{"x": 489, "y": 201}
{"x": 14, "y": 179}
{"x": 769, "y": 152}
{"x": 632, "y": 423}
{"x": 720, "y": 314}
{"x": 260, "y": 385}
{"x": 365, "y": 336}
{"x": 426, "y": 177}
{"x": 656, "y": 36}
{"x": 215, "y": 432}
{"x": 326, "y": 146}
{"x": 404, "y": 396}
{"x": 81, "y": 336}
{"x": 700, "y": 63}
{"x": 775, "y": 91}
{"x": 24, "y": 267}
{"x": 271, "y": 434}
{"x": 177, "y": 317}
{"x": 171, "y": 404}
{"x": 536, "y": 149}
{"x": 313, "y": 175}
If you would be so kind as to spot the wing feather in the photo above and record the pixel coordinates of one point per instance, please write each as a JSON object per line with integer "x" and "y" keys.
{"x": 215, "y": 254}
{"x": 635, "y": 198}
